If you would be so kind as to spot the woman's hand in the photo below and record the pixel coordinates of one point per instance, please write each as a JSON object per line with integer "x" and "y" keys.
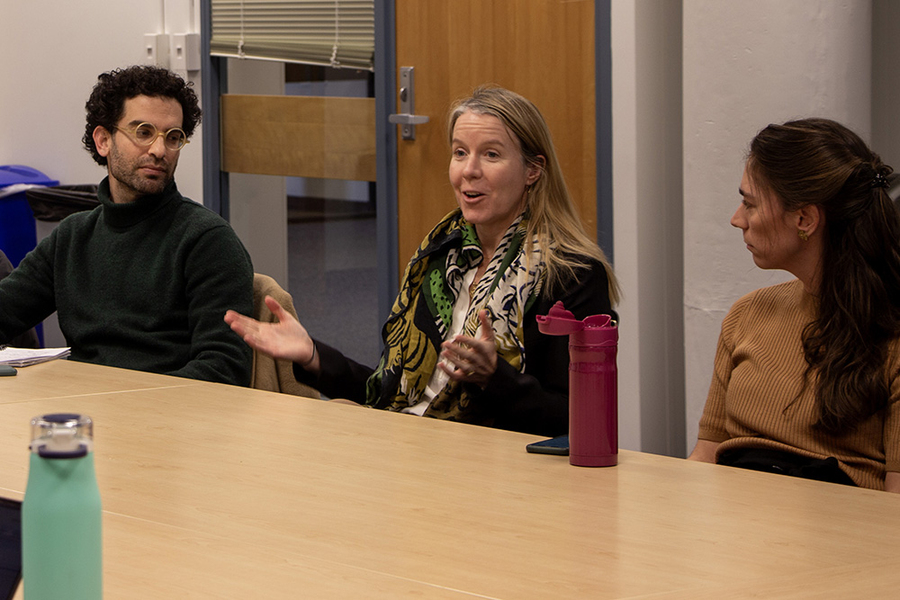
{"x": 286, "y": 339}
{"x": 892, "y": 482}
{"x": 471, "y": 360}
{"x": 704, "y": 451}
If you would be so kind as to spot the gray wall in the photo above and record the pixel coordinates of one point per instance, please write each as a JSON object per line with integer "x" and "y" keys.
{"x": 647, "y": 217}
{"x": 886, "y": 80}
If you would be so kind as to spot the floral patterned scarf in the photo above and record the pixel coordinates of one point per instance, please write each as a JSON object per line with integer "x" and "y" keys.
{"x": 422, "y": 315}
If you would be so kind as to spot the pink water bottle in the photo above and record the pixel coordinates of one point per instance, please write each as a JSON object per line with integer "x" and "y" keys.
{"x": 593, "y": 393}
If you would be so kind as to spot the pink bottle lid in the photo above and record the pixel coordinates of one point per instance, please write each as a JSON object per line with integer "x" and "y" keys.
{"x": 596, "y": 330}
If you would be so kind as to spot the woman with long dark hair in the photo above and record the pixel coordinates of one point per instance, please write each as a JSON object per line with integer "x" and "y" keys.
{"x": 807, "y": 373}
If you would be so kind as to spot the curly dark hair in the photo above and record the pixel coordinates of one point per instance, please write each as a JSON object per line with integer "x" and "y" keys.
{"x": 107, "y": 102}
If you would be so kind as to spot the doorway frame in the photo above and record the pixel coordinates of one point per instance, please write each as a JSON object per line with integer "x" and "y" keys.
{"x": 215, "y": 181}
{"x": 386, "y": 217}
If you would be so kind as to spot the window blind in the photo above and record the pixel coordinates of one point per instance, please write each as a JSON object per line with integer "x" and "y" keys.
{"x": 336, "y": 33}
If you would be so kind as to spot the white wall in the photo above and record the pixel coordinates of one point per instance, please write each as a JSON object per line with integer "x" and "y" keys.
{"x": 52, "y": 53}
{"x": 748, "y": 64}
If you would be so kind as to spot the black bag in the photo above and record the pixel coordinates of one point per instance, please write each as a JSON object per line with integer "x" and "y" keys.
{"x": 786, "y": 463}
{"x": 57, "y": 203}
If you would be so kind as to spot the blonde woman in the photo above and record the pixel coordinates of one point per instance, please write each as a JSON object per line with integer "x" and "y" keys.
{"x": 461, "y": 341}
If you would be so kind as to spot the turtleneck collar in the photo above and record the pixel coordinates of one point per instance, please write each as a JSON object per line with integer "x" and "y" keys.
{"x": 128, "y": 215}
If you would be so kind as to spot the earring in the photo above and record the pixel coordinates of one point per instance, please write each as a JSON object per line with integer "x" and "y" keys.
{"x": 803, "y": 235}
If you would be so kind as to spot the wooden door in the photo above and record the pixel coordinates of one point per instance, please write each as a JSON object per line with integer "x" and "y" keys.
{"x": 542, "y": 49}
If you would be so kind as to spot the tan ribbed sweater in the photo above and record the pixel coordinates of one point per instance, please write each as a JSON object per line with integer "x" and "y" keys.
{"x": 759, "y": 372}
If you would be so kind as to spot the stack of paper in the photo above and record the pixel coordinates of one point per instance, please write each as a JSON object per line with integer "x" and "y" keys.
{"x": 23, "y": 357}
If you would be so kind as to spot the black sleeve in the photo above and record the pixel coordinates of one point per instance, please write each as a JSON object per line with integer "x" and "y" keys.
{"x": 340, "y": 377}
{"x": 26, "y": 294}
{"x": 218, "y": 275}
{"x": 537, "y": 401}
{"x": 5, "y": 266}
{"x": 28, "y": 339}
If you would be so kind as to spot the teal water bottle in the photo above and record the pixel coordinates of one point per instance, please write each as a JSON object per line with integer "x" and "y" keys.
{"x": 61, "y": 537}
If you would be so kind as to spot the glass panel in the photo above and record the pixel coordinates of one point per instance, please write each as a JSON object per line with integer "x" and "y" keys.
{"x": 331, "y": 238}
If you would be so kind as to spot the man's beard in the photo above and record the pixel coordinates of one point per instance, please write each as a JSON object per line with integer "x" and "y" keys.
{"x": 127, "y": 174}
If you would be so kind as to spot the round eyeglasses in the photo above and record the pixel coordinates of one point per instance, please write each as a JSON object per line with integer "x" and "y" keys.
{"x": 145, "y": 134}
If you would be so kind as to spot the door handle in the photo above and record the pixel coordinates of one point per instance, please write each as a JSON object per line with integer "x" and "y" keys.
{"x": 407, "y": 119}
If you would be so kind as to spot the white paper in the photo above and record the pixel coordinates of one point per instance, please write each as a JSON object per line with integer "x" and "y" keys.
{"x": 18, "y": 188}
{"x": 23, "y": 357}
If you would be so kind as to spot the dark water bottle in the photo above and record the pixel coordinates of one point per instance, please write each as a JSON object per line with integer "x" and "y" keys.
{"x": 61, "y": 536}
{"x": 593, "y": 391}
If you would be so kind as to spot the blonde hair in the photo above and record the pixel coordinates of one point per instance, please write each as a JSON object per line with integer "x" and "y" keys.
{"x": 552, "y": 217}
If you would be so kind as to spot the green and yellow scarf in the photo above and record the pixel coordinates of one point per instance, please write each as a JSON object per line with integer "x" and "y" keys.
{"x": 422, "y": 315}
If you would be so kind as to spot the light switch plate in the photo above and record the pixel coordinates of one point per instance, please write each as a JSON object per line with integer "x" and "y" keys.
{"x": 156, "y": 49}
{"x": 184, "y": 52}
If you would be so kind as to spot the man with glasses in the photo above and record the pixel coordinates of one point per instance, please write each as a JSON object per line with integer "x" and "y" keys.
{"x": 143, "y": 280}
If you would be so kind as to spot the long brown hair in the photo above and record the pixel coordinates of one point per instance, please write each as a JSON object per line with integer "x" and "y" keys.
{"x": 553, "y": 218}
{"x": 821, "y": 162}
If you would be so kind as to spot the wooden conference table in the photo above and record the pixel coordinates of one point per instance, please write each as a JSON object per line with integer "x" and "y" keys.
{"x": 213, "y": 491}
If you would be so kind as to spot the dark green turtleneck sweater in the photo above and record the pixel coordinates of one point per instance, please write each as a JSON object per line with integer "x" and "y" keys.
{"x": 141, "y": 286}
